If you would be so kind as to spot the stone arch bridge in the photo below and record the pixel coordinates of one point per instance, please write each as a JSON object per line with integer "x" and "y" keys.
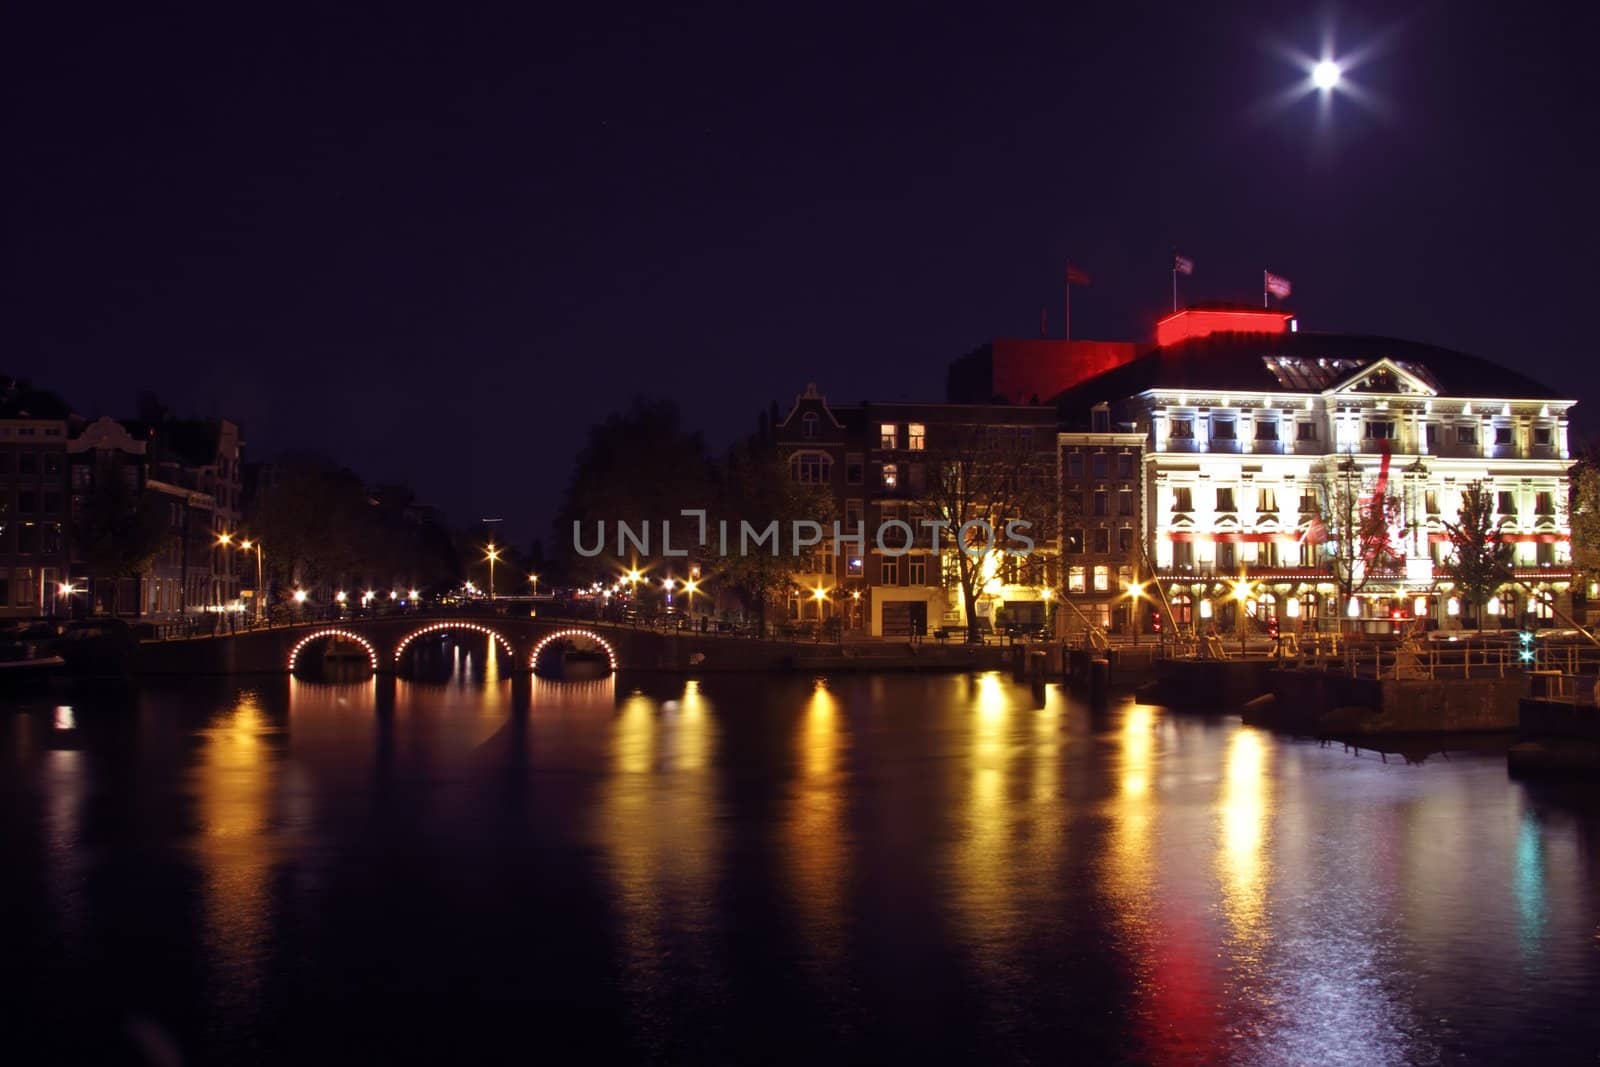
{"x": 386, "y": 639}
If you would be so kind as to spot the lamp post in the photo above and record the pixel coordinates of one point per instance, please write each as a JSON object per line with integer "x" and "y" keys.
{"x": 492, "y": 556}
{"x": 261, "y": 593}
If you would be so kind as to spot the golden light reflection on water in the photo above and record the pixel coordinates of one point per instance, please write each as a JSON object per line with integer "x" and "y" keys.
{"x": 657, "y": 826}
{"x": 235, "y": 779}
{"x": 817, "y": 848}
{"x": 1242, "y": 846}
{"x": 1129, "y": 868}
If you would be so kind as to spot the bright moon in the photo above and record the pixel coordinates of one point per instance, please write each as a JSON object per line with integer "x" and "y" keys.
{"x": 1325, "y": 75}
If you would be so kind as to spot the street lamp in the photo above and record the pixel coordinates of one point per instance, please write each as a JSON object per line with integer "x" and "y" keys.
{"x": 248, "y": 545}
{"x": 493, "y": 555}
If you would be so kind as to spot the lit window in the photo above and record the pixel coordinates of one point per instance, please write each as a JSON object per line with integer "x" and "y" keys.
{"x": 1102, "y": 579}
{"x": 891, "y": 476}
{"x": 1266, "y": 500}
{"x": 887, "y": 435}
{"x": 1182, "y": 499}
{"x": 917, "y": 440}
{"x": 1074, "y": 579}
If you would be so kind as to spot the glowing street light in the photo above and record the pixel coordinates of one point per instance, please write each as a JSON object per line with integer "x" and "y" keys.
{"x": 1325, "y": 75}
{"x": 299, "y": 596}
{"x": 493, "y": 556}
{"x": 341, "y": 596}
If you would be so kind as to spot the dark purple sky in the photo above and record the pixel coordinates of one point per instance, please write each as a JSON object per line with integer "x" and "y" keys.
{"x": 439, "y": 246}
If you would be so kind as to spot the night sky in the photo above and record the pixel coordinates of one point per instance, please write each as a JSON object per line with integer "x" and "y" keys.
{"x": 438, "y": 246}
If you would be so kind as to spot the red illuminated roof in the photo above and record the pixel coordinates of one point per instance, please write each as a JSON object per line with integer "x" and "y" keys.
{"x": 1202, "y": 322}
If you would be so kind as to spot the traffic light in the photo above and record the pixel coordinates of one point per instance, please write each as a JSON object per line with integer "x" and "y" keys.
{"x": 1525, "y": 654}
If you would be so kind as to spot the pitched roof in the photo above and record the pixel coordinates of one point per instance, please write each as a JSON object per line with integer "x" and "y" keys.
{"x": 1239, "y": 362}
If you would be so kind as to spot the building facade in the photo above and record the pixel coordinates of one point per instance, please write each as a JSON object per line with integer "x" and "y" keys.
{"x": 1267, "y": 448}
{"x": 886, "y": 465}
{"x": 34, "y": 531}
{"x": 1102, "y": 528}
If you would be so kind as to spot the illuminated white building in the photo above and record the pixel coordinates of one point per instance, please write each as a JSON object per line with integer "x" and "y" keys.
{"x": 1251, "y": 425}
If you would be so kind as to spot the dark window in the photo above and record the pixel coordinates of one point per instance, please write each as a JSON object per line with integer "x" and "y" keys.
{"x": 1102, "y": 503}
{"x": 1266, "y": 500}
{"x": 1508, "y": 503}
{"x": 1075, "y": 464}
{"x": 1227, "y": 555}
{"x": 1467, "y": 434}
{"x": 1542, "y": 436}
{"x": 1072, "y": 541}
{"x": 27, "y": 500}
{"x": 1305, "y": 431}
{"x": 28, "y": 463}
{"x": 890, "y": 570}
{"x": 1544, "y": 504}
{"x": 1182, "y": 499}
{"x": 52, "y": 462}
{"x": 1225, "y": 500}
{"x": 1380, "y": 430}
{"x": 1125, "y": 502}
{"x": 1102, "y": 541}
{"x": 809, "y": 423}
{"x": 1101, "y": 421}
{"x": 1125, "y": 465}
{"x": 1125, "y": 539}
{"x": 52, "y": 503}
{"x": 1099, "y": 464}
{"x": 27, "y": 539}
{"x": 6, "y": 462}
{"x": 1502, "y": 435}
{"x": 1430, "y": 434}
{"x": 1222, "y": 429}
{"x": 1430, "y": 501}
{"x": 1182, "y": 429}
{"x": 1308, "y": 503}
{"x": 852, "y": 471}
{"x": 1267, "y": 430}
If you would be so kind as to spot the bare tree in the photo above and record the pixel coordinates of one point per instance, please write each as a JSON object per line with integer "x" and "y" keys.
{"x": 1353, "y": 525}
{"x": 984, "y": 481}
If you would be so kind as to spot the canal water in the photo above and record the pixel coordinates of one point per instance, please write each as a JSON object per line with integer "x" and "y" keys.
{"x": 770, "y": 869}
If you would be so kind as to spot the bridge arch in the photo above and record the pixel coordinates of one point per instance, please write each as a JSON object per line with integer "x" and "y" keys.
{"x": 611, "y": 652}
{"x": 317, "y": 635}
{"x": 441, "y": 627}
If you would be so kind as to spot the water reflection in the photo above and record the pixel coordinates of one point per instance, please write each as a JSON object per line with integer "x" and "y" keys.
{"x": 954, "y": 866}
{"x": 657, "y": 823}
{"x": 235, "y": 778}
{"x": 1241, "y": 857}
{"x": 817, "y": 843}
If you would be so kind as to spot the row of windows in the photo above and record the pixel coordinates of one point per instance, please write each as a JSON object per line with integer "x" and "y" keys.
{"x": 1544, "y": 502}
{"x": 32, "y": 462}
{"x": 1081, "y": 579}
{"x": 30, "y": 538}
{"x": 1100, "y": 464}
{"x": 30, "y": 502}
{"x": 1100, "y": 502}
{"x": 1098, "y": 541}
{"x": 1182, "y": 429}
